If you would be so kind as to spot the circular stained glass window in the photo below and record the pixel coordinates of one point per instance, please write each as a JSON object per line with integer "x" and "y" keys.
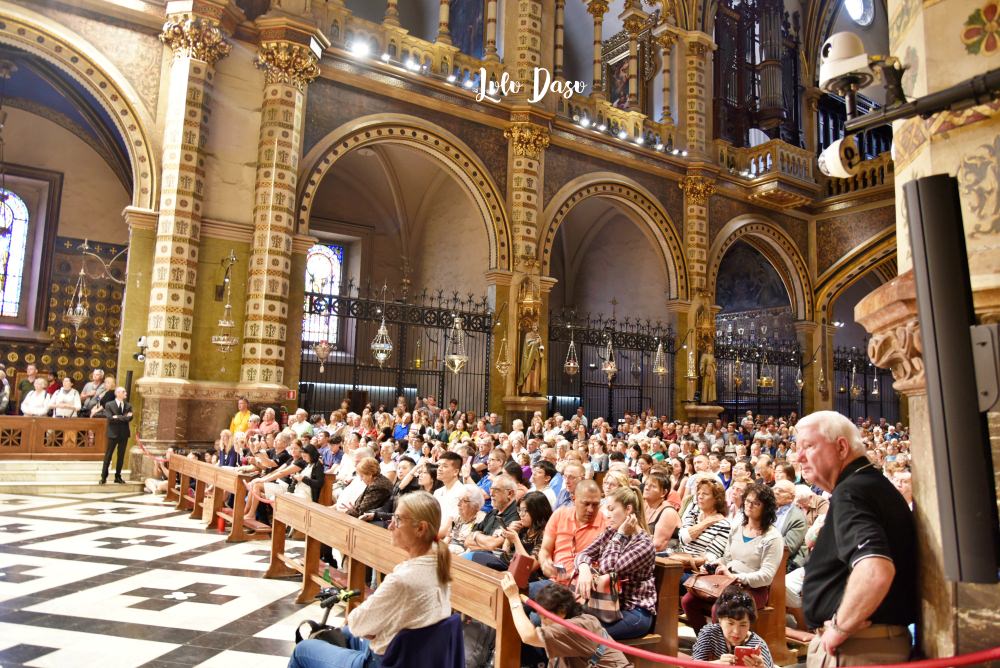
{"x": 861, "y": 12}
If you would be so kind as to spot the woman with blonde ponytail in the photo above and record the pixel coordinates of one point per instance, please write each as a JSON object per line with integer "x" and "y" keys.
{"x": 416, "y": 593}
{"x": 625, "y": 548}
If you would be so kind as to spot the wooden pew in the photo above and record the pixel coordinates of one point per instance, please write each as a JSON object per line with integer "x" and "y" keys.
{"x": 187, "y": 470}
{"x": 475, "y": 589}
{"x": 230, "y": 481}
{"x": 771, "y": 619}
{"x": 662, "y": 638}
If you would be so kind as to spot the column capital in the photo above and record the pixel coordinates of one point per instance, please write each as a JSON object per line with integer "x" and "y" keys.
{"x": 633, "y": 19}
{"x": 597, "y": 8}
{"x": 290, "y": 50}
{"x": 198, "y": 29}
{"x": 301, "y": 243}
{"x": 666, "y": 40}
{"x": 527, "y": 139}
{"x": 804, "y": 327}
{"x": 697, "y": 189}
{"x": 499, "y": 277}
{"x": 699, "y": 43}
{"x": 140, "y": 219}
{"x": 889, "y": 313}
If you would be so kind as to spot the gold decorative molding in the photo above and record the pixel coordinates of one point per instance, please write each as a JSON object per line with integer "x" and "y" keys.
{"x": 666, "y": 41}
{"x": 697, "y": 189}
{"x": 527, "y": 139}
{"x": 195, "y": 37}
{"x": 597, "y": 8}
{"x": 889, "y": 313}
{"x": 287, "y": 63}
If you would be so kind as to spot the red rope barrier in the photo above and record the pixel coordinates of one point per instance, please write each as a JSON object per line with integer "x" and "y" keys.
{"x": 951, "y": 662}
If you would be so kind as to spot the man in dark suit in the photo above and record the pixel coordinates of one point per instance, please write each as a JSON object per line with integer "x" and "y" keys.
{"x": 119, "y": 414}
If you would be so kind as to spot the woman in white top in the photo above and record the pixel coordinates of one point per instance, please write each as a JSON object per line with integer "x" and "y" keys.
{"x": 65, "y": 401}
{"x": 416, "y": 593}
{"x": 36, "y": 402}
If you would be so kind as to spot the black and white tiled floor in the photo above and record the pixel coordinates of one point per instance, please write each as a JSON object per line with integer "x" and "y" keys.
{"x": 118, "y": 580}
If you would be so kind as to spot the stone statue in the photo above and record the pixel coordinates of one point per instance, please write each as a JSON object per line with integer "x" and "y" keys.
{"x": 529, "y": 377}
{"x": 707, "y": 368}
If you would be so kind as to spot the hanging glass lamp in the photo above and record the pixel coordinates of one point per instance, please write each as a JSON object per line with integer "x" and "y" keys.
{"x": 660, "y": 361}
{"x": 456, "y": 358}
{"x": 799, "y": 381}
{"x": 381, "y": 345}
{"x": 875, "y": 392}
{"x": 608, "y": 366}
{"x": 503, "y": 364}
{"x": 571, "y": 366}
{"x": 322, "y": 351}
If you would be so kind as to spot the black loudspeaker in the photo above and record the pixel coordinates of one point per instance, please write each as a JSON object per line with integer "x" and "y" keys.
{"x": 964, "y": 468}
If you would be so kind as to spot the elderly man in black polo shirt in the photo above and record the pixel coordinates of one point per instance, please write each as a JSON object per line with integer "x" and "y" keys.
{"x": 860, "y": 586}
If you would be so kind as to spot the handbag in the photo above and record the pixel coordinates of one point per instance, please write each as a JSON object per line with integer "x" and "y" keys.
{"x": 520, "y": 567}
{"x": 708, "y": 587}
{"x": 603, "y": 602}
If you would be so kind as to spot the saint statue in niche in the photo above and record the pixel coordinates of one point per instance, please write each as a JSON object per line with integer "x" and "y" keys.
{"x": 706, "y": 368}
{"x": 529, "y": 376}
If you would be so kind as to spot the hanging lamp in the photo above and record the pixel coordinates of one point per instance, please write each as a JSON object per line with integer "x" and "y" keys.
{"x": 455, "y": 357}
{"x": 571, "y": 366}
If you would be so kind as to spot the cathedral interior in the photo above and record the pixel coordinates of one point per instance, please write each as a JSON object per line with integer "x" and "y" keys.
{"x": 297, "y": 201}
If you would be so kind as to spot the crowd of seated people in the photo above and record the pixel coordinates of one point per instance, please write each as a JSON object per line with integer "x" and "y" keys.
{"x": 578, "y": 497}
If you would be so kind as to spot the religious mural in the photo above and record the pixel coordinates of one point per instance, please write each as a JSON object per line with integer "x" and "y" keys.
{"x": 748, "y": 282}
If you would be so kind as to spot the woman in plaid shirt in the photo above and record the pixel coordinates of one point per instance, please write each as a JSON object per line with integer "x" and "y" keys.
{"x": 626, "y": 549}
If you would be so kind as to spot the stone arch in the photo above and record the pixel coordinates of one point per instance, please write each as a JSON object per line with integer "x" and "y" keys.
{"x": 637, "y": 203}
{"x": 875, "y": 253}
{"x": 72, "y": 54}
{"x": 775, "y": 245}
{"x": 428, "y": 138}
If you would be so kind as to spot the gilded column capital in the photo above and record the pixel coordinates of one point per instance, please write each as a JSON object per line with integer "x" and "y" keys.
{"x": 666, "y": 41}
{"x": 698, "y": 49}
{"x": 287, "y": 63}
{"x": 634, "y": 24}
{"x": 697, "y": 189}
{"x": 597, "y": 8}
{"x": 528, "y": 139}
{"x": 195, "y": 37}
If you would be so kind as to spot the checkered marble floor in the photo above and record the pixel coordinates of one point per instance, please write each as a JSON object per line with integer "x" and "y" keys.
{"x": 125, "y": 580}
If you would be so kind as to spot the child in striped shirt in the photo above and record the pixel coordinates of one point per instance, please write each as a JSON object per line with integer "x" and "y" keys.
{"x": 736, "y": 611}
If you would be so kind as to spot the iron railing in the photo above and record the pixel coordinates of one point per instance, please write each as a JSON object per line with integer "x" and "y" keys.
{"x": 742, "y": 363}
{"x": 634, "y": 388}
{"x": 854, "y": 380}
{"x": 420, "y": 329}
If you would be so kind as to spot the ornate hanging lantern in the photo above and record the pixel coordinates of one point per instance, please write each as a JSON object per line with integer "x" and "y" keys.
{"x": 503, "y": 364}
{"x": 322, "y": 351}
{"x": 381, "y": 345}
{"x": 764, "y": 381}
{"x": 799, "y": 381}
{"x": 224, "y": 340}
{"x": 456, "y": 358}
{"x": 418, "y": 355}
{"x": 856, "y": 391}
{"x": 571, "y": 366}
{"x": 660, "y": 361}
{"x": 78, "y": 311}
{"x": 608, "y": 366}
{"x": 737, "y": 373}
{"x": 821, "y": 381}
{"x": 875, "y": 391}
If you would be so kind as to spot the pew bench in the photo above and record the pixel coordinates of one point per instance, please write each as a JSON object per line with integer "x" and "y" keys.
{"x": 770, "y": 623}
{"x": 662, "y": 639}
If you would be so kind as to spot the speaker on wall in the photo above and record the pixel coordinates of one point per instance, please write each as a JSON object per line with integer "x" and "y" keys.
{"x": 963, "y": 463}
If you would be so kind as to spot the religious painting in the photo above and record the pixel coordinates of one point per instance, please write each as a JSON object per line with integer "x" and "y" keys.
{"x": 467, "y": 25}
{"x": 615, "y": 68}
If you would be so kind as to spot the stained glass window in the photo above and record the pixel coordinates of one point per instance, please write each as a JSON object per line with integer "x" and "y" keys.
{"x": 13, "y": 244}
{"x": 324, "y": 271}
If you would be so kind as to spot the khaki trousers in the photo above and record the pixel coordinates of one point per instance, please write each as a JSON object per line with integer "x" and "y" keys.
{"x": 879, "y": 643}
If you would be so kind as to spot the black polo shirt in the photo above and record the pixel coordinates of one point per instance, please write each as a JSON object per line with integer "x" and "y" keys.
{"x": 868, "y": 518}
{"x": 495, "y": 520}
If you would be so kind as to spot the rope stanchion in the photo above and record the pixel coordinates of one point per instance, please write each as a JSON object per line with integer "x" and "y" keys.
{"x": 974, "y": 658}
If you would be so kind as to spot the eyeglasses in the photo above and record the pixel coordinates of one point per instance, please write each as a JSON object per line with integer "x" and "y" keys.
{"x": 397, "y": 519}
{"x": 753, "y": 503}
{"x": 463, "y": 501}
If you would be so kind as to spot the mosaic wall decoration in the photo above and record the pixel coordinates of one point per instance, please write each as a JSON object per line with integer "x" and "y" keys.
{"x": 96, "y": 343}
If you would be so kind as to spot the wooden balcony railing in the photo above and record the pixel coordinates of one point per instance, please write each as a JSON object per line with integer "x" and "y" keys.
{"x": 78, "y": 439}
{"x": 875, "y": 173}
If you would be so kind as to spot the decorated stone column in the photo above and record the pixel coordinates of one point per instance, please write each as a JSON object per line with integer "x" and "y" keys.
{"x": 698, "y": 188}
{"x": 634, "y": 20}
{"x": 391, "y": 13}
{"x": 523, "y": 43}
{"x": 810, "y": 107}
{"x": 678, "y": 312}
{"x": 560, "y": 23}
{"x": 491, "y": 32}
{"x": 528, "y": 137}
{"x": 444, "y": 35}
{"x": 196, "y": 34}
{"x": 815, "y": 386}
{"x": 597, "y": 9}
{"x": 289, "y": 55}
{"x": 698, "y": 95}
{"x": 666, "y": 40}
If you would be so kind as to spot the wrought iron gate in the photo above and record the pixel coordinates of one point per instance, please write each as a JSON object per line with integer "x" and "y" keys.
{"x": 759, "y": 375}
{"x": 419, "y": 328}
{"x": 634, "y": 388}
{"x": 862, "y": 389}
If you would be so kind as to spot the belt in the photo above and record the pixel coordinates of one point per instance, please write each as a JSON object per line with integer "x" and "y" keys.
{"x": 877, "y": 631}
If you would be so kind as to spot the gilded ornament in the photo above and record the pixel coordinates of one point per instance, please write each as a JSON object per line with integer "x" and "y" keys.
{"x": 11, "y": 357}
{"x": 597, "y": 8}
{"x": 697, "y": 189}
{"x": 666, "y": 41}
{"x": 635, "y": 24}
{"x": 528, "y": 140}
{"x": 195, "y": 37}
{"x": 286, "y": 63}
{"x": 697, "y": 49}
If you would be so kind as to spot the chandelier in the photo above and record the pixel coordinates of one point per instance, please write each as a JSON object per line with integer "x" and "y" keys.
{"x": 660, "y": 361}
{"x": 322, "y": 351}
{"x": 381, "y": 345}
{"x": 224, "y": 339}
{"x": 78, "y": 311}
{"x": 456, "y": 358}
{"x": 765, "y": 381}
{"x": 503, "y": 358}
{"x": 571, "y": 366}
{"x": 608, "y": 365}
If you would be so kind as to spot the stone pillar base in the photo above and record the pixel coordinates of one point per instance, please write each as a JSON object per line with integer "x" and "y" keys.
{"x": 523, "y": 408}
{"x": 700, "y": 412}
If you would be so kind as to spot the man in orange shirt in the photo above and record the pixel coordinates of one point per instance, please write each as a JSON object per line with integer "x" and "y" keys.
{"x": 569, "y": 531}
